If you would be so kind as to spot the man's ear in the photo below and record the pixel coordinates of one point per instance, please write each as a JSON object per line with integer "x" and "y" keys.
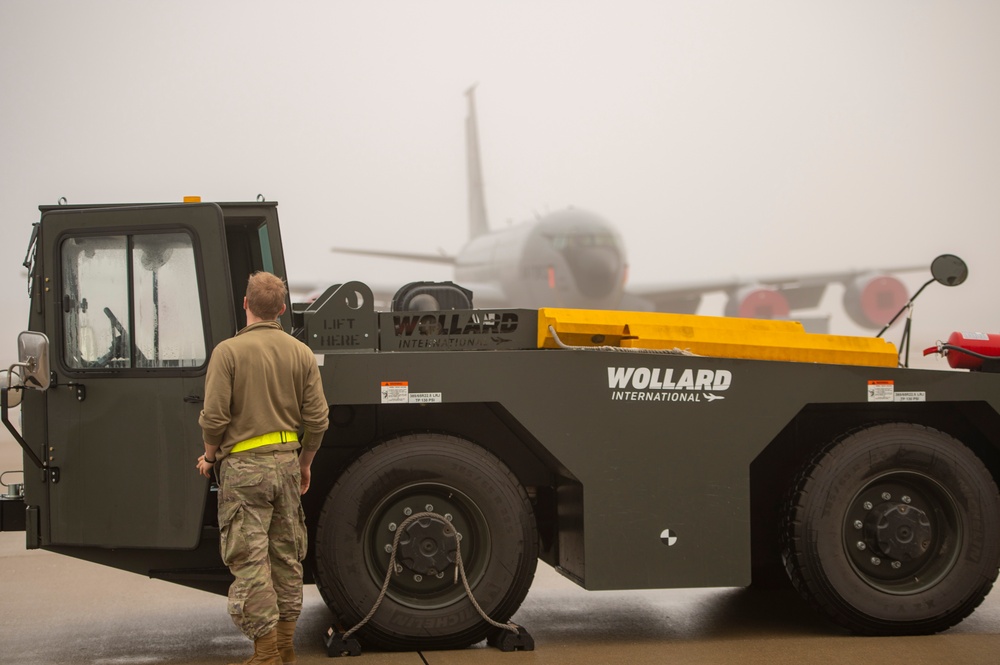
{"x": 282, "y": 309}
{"x": 245, "y": 304}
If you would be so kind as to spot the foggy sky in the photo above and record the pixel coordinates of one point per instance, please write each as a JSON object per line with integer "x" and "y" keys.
{"x": 721, "y": 138}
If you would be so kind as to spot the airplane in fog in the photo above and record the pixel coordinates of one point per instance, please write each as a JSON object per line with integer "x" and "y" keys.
{"x": 575, "y": 258}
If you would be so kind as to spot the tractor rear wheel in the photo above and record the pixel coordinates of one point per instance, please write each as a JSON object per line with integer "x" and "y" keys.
{"x": 894, "y": 530}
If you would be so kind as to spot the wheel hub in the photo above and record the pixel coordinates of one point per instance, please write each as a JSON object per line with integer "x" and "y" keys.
{"x": 427, "y": 546}
{"x": 899, "y": 532}
{"x": 426, "y": 550}
{"x": 903, "y": 532}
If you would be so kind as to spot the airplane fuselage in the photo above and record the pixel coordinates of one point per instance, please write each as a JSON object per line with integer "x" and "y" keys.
{"x": 569, "y": 258}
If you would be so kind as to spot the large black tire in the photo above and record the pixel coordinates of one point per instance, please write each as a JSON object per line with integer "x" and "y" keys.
{"x": 894, "y": 530}
{"x": 424, "y": 608}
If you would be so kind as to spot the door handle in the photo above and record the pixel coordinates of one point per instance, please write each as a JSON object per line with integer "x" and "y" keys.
{"x": 194, "y": 399}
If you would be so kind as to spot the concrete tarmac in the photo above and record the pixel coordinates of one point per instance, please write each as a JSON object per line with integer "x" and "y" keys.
{"x": 57, "y": 610}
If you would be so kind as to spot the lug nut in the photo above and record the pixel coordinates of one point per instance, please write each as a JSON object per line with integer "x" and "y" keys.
{"x": 388, "y": 548}
{"x": 906, "y": 499}
{"x": 407, "y": 511}
{"x": 876, "y": 561}
{"x": 886, "y": 496}
{"x": 858, "y": 524}
{"x": 867, "y": 505}
{"x": 897, "y": 565}
{"x": 447, "y": 516}
{"x": 429, "y": 508}
{"x": 418, "y": 578}
{"x": 862, "y": 546}
{"x": 392, "y": 526}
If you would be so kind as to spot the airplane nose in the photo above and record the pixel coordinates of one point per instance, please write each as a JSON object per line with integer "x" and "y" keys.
{"x": 595, "y": 270}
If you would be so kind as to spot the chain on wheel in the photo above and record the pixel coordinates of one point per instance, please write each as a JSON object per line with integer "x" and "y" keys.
{"x": 449, "y": 531}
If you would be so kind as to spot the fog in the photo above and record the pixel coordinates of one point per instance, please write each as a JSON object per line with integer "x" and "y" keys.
{"x": 721, "y": 138}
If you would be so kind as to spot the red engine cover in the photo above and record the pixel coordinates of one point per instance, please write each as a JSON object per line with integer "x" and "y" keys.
{"x": 984, "y": 343}
{"x": 756, "y": 302}
{"x": 872, "y": 300}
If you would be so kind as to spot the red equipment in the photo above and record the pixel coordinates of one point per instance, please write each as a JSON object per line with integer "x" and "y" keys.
{"x": 969, "y": 350}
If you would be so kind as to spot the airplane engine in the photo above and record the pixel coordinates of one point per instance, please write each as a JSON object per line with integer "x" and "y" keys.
{"x": 758, "y": 302}
{"x": 872, "y": 300}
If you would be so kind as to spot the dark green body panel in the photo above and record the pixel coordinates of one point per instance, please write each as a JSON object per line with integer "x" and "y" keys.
{"x": 646, "y": 466}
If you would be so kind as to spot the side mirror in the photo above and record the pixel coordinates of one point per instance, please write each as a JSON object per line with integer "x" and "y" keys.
{"x": 33, "y": 356}
{"x": 11, "y": 379}
{"x": 949, "y": 270}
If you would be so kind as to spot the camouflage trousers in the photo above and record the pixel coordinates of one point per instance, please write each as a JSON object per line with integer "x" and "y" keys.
{"x": 262, "y": 538}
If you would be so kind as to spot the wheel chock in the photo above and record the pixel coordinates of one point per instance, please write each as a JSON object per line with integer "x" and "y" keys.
{"x": 508, "y": 641}
{"x": 337, "y": 646}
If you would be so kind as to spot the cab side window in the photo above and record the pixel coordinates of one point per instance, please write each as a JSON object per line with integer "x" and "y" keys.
{"x": 131, "y": 301}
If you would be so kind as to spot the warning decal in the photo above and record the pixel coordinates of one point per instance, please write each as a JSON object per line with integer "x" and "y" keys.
{"x": 395, "y": 392}
{"x": 880, "y": 391}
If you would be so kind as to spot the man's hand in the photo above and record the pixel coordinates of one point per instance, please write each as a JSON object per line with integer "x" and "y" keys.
{"x": 304, "y": 482}
{"x": 205, "y": 467}
{"x": 305, "y": 461}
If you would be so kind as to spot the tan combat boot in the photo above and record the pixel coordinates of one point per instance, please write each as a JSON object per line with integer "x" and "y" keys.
{"x": 286, "y": 639}
{"x": 265, "y": 650}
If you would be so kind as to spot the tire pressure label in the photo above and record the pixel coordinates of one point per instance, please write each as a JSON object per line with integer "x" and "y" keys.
{"x": 655, "y": 384}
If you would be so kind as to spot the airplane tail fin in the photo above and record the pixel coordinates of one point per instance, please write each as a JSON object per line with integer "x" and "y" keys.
{"x": 478, "y": 223}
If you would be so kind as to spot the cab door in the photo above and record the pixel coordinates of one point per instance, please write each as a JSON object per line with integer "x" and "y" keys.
{"x": 137, "y": 298}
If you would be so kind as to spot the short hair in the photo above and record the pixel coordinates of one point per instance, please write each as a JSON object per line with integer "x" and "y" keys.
{"x": 266, "y": 295}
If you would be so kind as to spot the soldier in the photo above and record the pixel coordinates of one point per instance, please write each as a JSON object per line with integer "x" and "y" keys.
{"x": 262, "y": 386}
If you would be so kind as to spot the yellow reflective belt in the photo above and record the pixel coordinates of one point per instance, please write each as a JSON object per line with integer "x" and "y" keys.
{"x": 265, "y": 440}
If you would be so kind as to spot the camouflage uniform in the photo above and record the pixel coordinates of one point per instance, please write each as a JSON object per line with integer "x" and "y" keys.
{"x": 263, "y": 538}
{"x": 259, "y": 382}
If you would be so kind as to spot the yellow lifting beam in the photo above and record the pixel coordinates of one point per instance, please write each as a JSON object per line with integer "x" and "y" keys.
{"x": 717, "y": 336}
